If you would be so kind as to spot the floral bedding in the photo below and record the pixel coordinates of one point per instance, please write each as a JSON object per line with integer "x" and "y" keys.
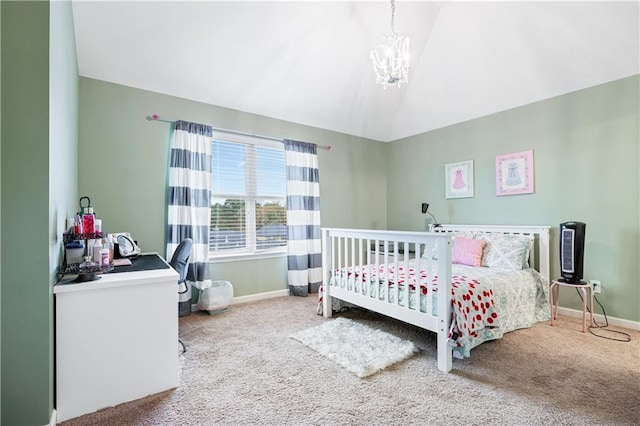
{"x": 486, "y": 302}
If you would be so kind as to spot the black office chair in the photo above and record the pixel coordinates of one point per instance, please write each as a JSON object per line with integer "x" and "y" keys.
{"x": 180, "y": 262}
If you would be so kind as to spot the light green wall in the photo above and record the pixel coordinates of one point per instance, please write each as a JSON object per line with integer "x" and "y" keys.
{"x": 252, "y": 277}
{"x": 123, "y": 164}
{"x": 35, "y": 197}
{"x": 586, "y": 154}
{"x": 0, "y": 219}
{"x": 63, "y": 126}
{"x": 584, "y": 131}
{"x": 26, "y": 303}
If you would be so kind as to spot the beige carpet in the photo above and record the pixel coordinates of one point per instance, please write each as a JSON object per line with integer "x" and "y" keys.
{"x": 241, "y": 368}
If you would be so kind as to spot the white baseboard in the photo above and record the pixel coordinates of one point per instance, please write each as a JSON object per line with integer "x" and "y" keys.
{"x": 618, "y": 322}
{"x": 251, "y": 298}
{"x": 259, "y": 296}
{"x": 54, "y": 416}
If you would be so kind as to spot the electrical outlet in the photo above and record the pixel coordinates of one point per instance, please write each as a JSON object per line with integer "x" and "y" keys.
{"x": 596, "y": 286}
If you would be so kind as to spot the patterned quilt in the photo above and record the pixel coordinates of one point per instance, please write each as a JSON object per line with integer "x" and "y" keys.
{"x": 486, "y": 302}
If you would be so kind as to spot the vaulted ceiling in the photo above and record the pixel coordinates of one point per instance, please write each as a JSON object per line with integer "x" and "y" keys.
{"x": 308, "y": 62}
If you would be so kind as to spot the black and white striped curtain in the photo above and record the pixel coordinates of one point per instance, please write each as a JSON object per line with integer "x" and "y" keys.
{"x": 303, "y": 218}
{"x": 189, "y": 197}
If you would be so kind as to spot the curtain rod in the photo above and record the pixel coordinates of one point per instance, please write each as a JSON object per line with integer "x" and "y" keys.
{"x": 155, "y": 117}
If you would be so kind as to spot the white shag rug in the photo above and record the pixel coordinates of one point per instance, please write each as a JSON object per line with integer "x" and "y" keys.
{"x": 360, "y": 349}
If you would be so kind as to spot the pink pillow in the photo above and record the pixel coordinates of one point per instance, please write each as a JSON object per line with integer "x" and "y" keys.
{"x": 467, "y": 251}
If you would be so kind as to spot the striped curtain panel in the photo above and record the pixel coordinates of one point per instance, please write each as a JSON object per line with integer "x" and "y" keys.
{"x": 189, "y": 198}
{"x": 303, "y": 218}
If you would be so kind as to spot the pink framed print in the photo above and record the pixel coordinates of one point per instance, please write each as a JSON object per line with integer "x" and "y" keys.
{"x": 459, "y": 179}
{"x": 514, "y": 173}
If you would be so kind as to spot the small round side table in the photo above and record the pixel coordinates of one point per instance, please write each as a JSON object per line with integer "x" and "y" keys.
{"x": 583, "y": 286}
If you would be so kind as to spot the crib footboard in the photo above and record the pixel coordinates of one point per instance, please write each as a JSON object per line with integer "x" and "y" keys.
{"x": 404, "y": 275}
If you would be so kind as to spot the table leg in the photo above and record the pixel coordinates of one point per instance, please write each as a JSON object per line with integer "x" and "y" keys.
{"x": 551, "y": 304}
{"x": 584, "y": 309}
{"x": 591, "y": 313}
{"x": 552, "y": 301}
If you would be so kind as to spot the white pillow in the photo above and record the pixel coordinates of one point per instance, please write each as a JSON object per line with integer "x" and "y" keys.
{"x": 506, "y": 250}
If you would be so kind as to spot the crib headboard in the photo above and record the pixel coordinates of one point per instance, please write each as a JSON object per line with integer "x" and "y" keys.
{"x": 539, "y": 257}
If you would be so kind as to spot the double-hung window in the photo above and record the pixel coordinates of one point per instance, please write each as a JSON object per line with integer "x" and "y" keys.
{"x": 248, "y": 196}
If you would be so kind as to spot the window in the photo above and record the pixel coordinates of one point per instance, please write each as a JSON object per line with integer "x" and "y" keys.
{"x": 248, "y": 196}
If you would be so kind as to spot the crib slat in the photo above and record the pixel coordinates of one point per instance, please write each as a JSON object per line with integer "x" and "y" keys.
{"x": 430, "y": 270}
{"x": 360, "y": 267}
{"x": 368, "y": 259}
{"x": 339, "y": 244}
{"x": 375, "y": 282}
{"x": 407, "y": 250}
{"x": 352, "y": 257}
{"x": 353, "y": 251}
{"x": 386, "y": 271}
{"x": 396, "y": 272}
{"x": 418, "y": 265}
{"x": 346, "y": 254}
{"x": 333, "y": 256}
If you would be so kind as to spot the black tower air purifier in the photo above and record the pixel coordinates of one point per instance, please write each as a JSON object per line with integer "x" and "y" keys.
{"x": 572, "y": 251}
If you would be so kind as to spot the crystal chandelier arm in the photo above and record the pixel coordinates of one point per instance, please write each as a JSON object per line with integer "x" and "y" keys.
{"x": 379, "y": 68}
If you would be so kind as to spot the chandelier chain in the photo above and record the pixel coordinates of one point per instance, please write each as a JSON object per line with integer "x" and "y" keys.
{"x": 393, "y": 15}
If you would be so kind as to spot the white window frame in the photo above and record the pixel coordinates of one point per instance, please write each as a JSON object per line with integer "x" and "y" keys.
{"x": 251, "y": 251}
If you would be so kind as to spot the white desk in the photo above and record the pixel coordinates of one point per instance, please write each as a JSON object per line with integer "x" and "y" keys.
{"x": 116, "y": 339}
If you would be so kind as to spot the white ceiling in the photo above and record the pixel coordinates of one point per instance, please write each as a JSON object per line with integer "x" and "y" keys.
{"x": 308, "y": 62}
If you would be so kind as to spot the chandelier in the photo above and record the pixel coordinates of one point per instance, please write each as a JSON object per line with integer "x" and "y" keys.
{"x": 391, "y": 58}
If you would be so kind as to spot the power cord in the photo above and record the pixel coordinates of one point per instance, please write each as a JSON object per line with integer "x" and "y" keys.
{"x": 626, "y": 336}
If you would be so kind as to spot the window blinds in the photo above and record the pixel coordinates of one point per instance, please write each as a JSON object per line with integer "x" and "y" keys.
{"x": 248, "y": 212}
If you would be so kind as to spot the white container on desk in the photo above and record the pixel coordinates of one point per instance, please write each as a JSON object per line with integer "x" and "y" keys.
{"x": 116, "y": 340}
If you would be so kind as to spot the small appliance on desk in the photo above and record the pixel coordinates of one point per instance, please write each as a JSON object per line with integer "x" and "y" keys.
{"x": 124, "y": 245}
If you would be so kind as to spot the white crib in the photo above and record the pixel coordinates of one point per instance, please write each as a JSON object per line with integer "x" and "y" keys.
{"x": 352, "y": 273}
